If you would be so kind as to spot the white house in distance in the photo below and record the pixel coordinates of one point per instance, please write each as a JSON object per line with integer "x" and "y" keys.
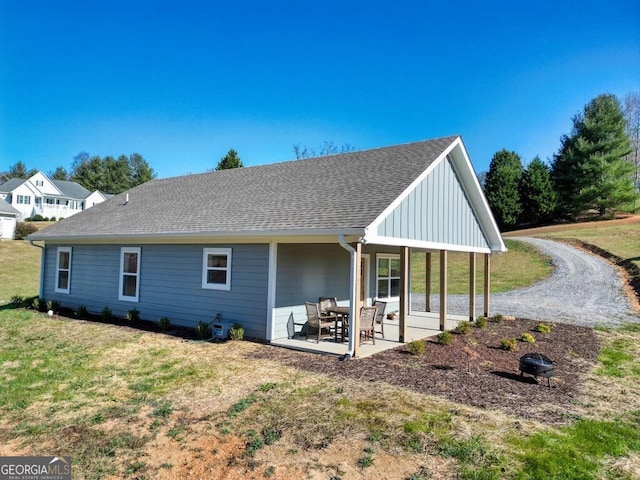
{"x": 40, "y": 195}
{"x": 8, "y": 216}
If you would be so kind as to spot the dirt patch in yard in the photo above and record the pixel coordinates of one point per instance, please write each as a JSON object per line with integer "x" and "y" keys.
{"x": 475, "y": 371}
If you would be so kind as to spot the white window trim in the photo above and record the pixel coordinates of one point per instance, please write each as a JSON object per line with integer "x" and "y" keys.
{"x": 385, "y": 256}
{"x": 58, "y": 252}
{"x": 124, "y": 250}
{"x": 216, "y": 251}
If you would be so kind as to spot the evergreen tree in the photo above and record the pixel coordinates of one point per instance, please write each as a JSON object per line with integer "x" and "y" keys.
{"x": 537, "y": 192}
{"x": 502, "y": 187}
{"x": 19, "y": 170}
{"x": 139, "y": 170}
{"x": 590, "y": 170}
{"x": 59, "y": 174}
{"x": 89, "y": 172}
{"x": 230, "y": 160}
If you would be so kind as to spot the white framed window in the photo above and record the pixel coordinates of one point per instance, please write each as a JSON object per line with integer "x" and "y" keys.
{"x": 129, "y": 274}
{"x": 24, "y": 199}
{"x": 216, "y": 268}
{"x": 39, "y": 183}
{"x": 63, "y": 270}
{"x": 388, "y": 277}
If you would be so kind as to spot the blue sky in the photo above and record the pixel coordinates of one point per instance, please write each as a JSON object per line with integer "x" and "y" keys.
{"x": 182, "y": 82}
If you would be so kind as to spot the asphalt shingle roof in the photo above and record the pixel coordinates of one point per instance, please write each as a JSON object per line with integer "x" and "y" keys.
{"x": 71, "y": 189}
{"x": 11, "y": 184}
{"x": 326, "y": 193}
{"x": 8, "y": 209}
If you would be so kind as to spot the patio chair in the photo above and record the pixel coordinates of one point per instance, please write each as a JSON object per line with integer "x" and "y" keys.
{"x": 382, "y": 306}
{"x": 318, "y": 321}
{"x": 368, "y": 323}
{"x": 325, "y": 303}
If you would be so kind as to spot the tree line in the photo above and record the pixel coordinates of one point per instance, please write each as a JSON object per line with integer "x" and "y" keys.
{"x": 596, "y": 169}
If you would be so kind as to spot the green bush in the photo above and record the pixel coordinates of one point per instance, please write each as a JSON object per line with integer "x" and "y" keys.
{"x": 18, "y": 300}
{"x": 53, "y": 305}
{"x": 417, "y": 347}
{"x": 463, "y": 328}
{"x": 133, "y": 316}
{"x": 106, "y": 314}
{"x": 82, "y": 311}
{"x": 482, "y": 322}
{"x": 164, "y": 324}
{"x": 37, "y": 218}
{"x": 445, "y": 338}
{"x": 527, "y": 337}
{"x": 236, "y": 332}
{"x": 542, "y": 328}
{"x": 509, "y": 344}
{"x": 203, "y": 330}
{"x": 498, "y": 318}
{"x": 52, "y": 219}
{"x": 23, "y": 229}
{"x": 39, "y": 304}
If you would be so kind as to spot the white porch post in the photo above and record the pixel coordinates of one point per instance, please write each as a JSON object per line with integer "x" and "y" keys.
{"x": 443, "y": 288}
{"x": 357, "y": 301}
{"x": 271, "y": 290}
{"x": 404, "y": 293}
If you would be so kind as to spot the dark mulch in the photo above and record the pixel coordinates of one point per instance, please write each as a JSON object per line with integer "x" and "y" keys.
{"x": 475, "y": 371}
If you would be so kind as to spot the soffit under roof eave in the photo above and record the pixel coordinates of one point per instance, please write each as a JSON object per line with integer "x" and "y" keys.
{"x": 320, "y": 236}
{"x": 422, "y": 245}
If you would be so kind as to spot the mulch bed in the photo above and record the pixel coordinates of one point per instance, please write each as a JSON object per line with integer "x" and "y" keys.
{"x": 475, "y": 371}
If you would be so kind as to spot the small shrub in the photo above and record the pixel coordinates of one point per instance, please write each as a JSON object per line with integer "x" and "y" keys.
{"x": 527, "y": 337}
{"x": 417, "y": 347}
{"x": 509, "y": 344}
{"x": 133, "y": 315}
{"x": 445, "y": 338}
{"x": 39, "y": 304}
{"x": 82, "y": 311}
{"x": 164, "y": 324}
{"x": 52, "y": 219}
{"x": 542, "y": 328}
{"x": 482, "y": 322}
{"x": 37, "y": 218}
{"x": 498, "y": 318}
{"x": 463, "y": 328}
{"x": 18, "y": 300}
{"x": 23, "y": 229}
{"x": 203, "y": 330}
{"x": 236, "y": 332}
{"x": 106, "y": 314}
{"x": 53, "y": 305}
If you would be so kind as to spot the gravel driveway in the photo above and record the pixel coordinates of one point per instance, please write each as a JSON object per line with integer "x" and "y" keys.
{"x": 584, "y": 290}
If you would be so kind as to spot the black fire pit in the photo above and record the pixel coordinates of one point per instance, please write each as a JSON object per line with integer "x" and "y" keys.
{"x": 538, "y": 365}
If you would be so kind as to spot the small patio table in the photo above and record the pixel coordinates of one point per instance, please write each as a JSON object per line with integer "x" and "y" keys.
{"x": 343, "y": 314}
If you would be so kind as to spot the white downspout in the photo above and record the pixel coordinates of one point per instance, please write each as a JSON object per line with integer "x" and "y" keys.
{"x": 41, "y": 247}
{"x": 352, "y": 297}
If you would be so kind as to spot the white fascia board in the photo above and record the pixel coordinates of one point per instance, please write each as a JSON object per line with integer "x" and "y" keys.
{"x": 352, "y": 235}
{"x": 468, "y": 177}
{"x": 373, "y": 227}
{"x": 402, "y": 242}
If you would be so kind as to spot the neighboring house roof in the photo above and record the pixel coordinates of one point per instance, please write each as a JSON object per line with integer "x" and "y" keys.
{"x": 11, "y": 184}
{"x": 7, "y": 209}
{"x": 71, "y": 189}
{"x": 332, "y": 195}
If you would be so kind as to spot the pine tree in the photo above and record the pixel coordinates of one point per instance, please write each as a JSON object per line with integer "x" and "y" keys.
{"x": 537, "y": 192}
{"x": 590, "y": 170}
{"x": 230, "y": 160}
{"x": 502, "y": 187}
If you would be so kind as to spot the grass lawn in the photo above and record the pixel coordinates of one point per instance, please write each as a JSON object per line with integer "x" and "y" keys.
{"x": 20, "y": 271}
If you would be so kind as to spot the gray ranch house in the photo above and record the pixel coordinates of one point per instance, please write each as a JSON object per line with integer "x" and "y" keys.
{"x": 253, "y": 244}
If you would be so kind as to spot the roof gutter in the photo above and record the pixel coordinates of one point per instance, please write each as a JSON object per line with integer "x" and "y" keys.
{"x": 352, "y": 296}
{"x": 41, "y": 247}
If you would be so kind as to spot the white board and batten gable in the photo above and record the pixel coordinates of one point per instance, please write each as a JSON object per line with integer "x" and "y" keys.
{"x": 444, "y": 208}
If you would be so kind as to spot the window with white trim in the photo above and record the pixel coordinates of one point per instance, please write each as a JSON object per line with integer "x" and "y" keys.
{"x": 39, "y": 183}
{"x": 388, "y": 276}
{"x": 216, "y": 268}
{"x": 24, "y": 199}
{"x": 129, "y": 274}
{"x": 63, "y": 270}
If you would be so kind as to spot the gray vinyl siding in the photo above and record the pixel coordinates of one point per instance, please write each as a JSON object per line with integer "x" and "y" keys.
{"x": 437, "y": 210}
{"x": 306, "y": 272}
{"x": 170, "y": 284}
